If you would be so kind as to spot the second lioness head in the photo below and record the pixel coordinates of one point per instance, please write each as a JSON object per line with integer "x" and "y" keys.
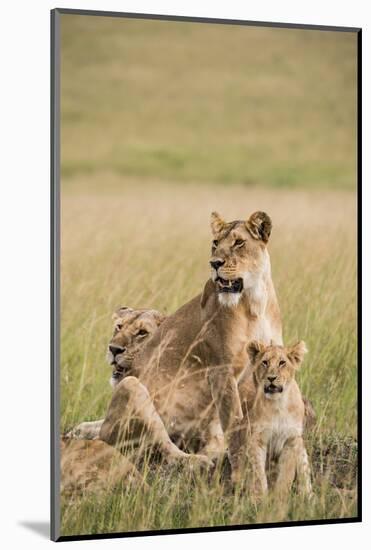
{"x": 238, "y": 255}
{"x": 131, "y": 329}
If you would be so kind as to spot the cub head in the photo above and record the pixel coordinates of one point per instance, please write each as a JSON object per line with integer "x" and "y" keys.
{"x": 238, "y": 254}
{"x": 132, "y": 328}
{"x": 274, "y": 367}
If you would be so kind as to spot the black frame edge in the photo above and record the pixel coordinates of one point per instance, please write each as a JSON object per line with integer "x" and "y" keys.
{"x": 359, "y": 269}
{"x": 192, "y": 530}
{"x": 54, "y": 272}
{"x": 191, "y": 19}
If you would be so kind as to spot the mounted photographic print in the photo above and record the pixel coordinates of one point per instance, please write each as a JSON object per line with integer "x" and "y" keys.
{"x": 205, "y": 359}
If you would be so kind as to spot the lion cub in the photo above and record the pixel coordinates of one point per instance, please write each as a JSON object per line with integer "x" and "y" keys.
{"x": 277, "y": 418}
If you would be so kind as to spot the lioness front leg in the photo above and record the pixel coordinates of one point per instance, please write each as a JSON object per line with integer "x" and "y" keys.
{"x": 86, "y": 430}
{"x": 132, "y": 419}
{"x": 237, "y": 450}
{"x": 214, "y": 447}
{"x": 224, "y": 390}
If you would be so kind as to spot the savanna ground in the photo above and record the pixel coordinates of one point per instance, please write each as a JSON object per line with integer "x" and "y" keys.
{"x": 161, "y": 124}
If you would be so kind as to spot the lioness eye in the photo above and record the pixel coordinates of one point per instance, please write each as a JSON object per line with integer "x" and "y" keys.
{"x": 215, "y": 243}
{"x": 238, "y": 242}
{"x": 142, "y": 332}
{"x": 282, "y": 363}
{"x": 119, "y": 327}
{"x": 265, "y": 363}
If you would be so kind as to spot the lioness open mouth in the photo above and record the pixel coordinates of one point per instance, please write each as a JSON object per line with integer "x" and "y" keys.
{"x": 119, "y": 372}
{"x": 233, "y": 285}
{"x": 121, "y": 366}
{"x": 273, "y": 389}
{"x": 116, "y": 374}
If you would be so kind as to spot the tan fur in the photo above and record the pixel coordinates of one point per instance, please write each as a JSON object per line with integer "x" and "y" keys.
{"x": 191, "y": 366}
{"x": 128, "y": 322}
{"x": 276, "y": 418}
{"x": 94, "y": 467}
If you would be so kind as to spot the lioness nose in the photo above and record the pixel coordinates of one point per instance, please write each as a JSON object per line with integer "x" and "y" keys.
{"x": 271, "y": 378}
{"x": 216, "y": 264}
{"x": 115, "y": 349}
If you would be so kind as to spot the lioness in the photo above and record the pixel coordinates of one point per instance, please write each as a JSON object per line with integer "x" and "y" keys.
{"x": 132, "y": 327}
{"x": 189, "y": 370}
{"x": 276, "y": 418}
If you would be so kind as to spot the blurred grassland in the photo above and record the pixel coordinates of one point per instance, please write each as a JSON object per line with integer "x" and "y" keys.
{"x": 161, "y": 123}
{"x": 218, "y": 103}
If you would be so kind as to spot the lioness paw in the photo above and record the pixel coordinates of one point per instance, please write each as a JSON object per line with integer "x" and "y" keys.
{"x": 82, "y": 431}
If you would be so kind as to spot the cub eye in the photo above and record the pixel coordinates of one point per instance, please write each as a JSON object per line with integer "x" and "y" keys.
{"x": 142, "y": 332}
{"x": 118, "y": 327}
{"x": 239, "y": 242}
{"x": 282, "y": 363}
{"x": 215, "y": 243}
{"x": 265, "y": 363}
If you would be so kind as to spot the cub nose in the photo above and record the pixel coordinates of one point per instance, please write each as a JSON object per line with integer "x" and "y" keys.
{"x": 271, "y": 378}
{"x": 115, "y": 349}
{"x": 216, "y": 264}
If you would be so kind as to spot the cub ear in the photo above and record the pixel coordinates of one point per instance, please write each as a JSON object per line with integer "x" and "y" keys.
{"x": 296, "y": 353}
{"x": 259, "y": 226}
{"x": 120, "y": 312}
{"x": 217, "y": 223}
{"x": 253, "y": 350}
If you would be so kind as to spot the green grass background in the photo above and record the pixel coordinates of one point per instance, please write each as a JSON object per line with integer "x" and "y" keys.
{"x": 160, "y": 124}
{"x": 204, "y": 102}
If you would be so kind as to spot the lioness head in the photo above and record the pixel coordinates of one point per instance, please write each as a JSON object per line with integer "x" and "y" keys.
{"x": 132, "y": 327}
{"x": 238, "y": 254}
{"x": 274, "y": 366}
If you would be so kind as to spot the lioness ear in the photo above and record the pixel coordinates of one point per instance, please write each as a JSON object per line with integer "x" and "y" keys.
{"x": 120, "y": 312}
{"x": 159, "y": 318}
{"x": 296, "y": 353}
{"x": 260, "y": 226}
{"x": 217, "y": 223}
{"x": 253, "y": 349}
